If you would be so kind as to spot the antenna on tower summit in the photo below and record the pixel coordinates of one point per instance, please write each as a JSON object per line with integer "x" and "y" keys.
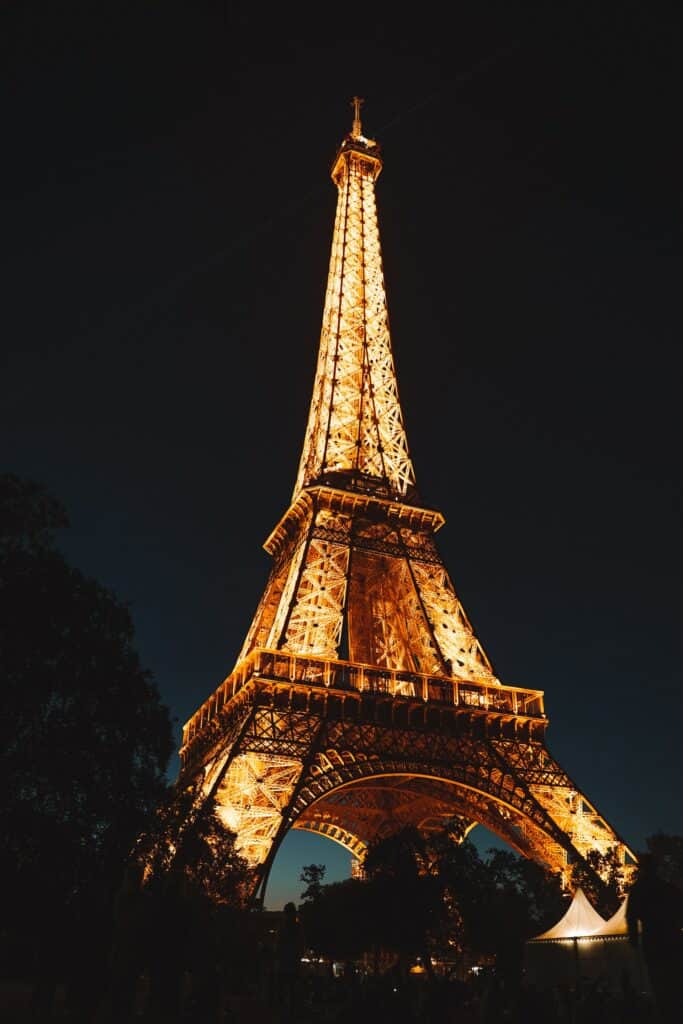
{"x": 357, "y": 102}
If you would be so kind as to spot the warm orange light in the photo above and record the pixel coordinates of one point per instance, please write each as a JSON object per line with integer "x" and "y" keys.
{"x": 360, "y": 624}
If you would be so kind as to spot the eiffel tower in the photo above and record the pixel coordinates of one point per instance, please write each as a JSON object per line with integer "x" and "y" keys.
{"x": 361, "y": 700}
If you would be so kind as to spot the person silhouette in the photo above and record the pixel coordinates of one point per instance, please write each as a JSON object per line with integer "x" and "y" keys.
{"x": 655, "y": 912}
{"x": 288, "y": 952}
{"x": 170, "y": 934}
{"x": 126, "y": 954}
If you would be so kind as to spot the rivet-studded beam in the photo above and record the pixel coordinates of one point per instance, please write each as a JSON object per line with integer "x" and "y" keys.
{"x": 355, "y": 422}
{"x": 362, "y": 698}
{"x": 365, "y": 571}
{"x": 482, "y": 763}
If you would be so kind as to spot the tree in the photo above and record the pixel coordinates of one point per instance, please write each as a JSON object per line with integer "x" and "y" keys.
{"x": 667, "y": 851}
{"x": 602, "y": 880}
{"x": 340, "y": 923}
{"x": 406, "y": 894}
{"x": 187, "y": 836}
{"x": 434, "y": 894}
{"x": 192, "y": 907}
{"x": 87, "y": 739}
{"x": 544, "y": 898}
{"x": 312, "y": 875}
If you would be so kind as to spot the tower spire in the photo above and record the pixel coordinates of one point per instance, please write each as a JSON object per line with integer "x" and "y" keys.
{"x": 356, "y": 131}
{"x": 355, "y": 427}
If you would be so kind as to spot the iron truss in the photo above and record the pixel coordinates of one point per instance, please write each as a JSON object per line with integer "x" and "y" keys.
{"x": 358, "y": 760}
{"x": 362, "y": 700}
{"x": 355, "y": 422}
{"x": 366, "y": 569}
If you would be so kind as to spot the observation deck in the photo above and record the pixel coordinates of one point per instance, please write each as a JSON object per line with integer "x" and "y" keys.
{"x": 268, "y": 675}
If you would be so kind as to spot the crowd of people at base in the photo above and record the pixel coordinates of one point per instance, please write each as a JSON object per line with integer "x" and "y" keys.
{"x": 485, "y": 999}
{"x": 173, "y": 957}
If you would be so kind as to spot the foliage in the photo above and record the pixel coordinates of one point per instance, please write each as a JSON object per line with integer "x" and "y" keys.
{"x": 86, "y": 739}
{"x": 542, "y": 891}
{"x": 189, "y": 839}
{"x": 405, "y": 893}
{"x": 180, "y": 910}
{"x": 340, "y": 922}
{"x": 602, "y": 880}
{"x": 29, "y": 515}
{"x": 667, "y": 851}
{"x": 435, "y": 895}
{"x": 401, "y": 856}
{"x": 312, "y": 875}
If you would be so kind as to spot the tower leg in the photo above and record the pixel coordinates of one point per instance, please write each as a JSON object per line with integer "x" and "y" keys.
{"x": 262, "y": 871}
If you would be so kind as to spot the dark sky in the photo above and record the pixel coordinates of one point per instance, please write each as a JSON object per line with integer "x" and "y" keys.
{"x": 166, "y": 230}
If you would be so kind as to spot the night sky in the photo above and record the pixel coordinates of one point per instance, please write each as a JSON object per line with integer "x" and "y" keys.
{"x": 166, "y": 229}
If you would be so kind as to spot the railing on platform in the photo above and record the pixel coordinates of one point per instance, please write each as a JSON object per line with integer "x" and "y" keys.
{"x": 283, "y": 666}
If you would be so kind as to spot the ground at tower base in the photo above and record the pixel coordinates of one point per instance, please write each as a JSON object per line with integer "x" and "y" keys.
{"x": 398, "y": 944}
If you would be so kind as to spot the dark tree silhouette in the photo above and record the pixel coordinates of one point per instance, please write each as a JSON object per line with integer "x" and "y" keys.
{"x": 667, "y": 851}
{"x": 541, "y": 890}
{"x": 86, "y": 739}
{"x": 435, "y": 895}
{"x": 187, "y": 836}
{"x": 406, "y": 895}
{"x": 193, "y": 897}
{"x": 340, "y": 923}
{"x": 312, "y": 875}
{"x": 654, "y": 916}
{"x": 602, "y": 880}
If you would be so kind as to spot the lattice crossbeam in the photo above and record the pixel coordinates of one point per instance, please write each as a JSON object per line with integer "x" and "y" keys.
{"x": 251, "y": 799}
{"x": 355, "y": 421}
{"x": 362, "y": 699}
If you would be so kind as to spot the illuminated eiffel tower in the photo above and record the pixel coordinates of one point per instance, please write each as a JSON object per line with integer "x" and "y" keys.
{"x": 361, "y": 700}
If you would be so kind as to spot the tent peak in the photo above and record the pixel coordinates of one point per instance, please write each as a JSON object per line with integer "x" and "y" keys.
{"x": 578, "y": 921}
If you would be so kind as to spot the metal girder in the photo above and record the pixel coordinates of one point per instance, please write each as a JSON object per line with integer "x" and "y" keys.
{"x": 362, "y": 700}
{"x": 382, "y": 587}
{"x": 374, "y": 808}
{"x": 355, "y": 421}
{"x": 368, "y": 763}
{"x": 336, "y": 832}
{"x": 251, "y": 798}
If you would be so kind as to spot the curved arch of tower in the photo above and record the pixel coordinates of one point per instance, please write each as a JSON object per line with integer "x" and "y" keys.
{"x": 361, "y": 700}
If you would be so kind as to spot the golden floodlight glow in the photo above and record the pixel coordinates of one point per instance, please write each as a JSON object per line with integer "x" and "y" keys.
{"x": 355, "y": 421}
{"x": 251, "y": 797}
{"x": 362, "y": 700}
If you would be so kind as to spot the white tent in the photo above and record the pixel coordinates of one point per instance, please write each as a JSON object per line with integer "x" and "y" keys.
{"x": 617, "y": 924}
{"x": 579, "y": 920}
{"x": 582, "y": 946}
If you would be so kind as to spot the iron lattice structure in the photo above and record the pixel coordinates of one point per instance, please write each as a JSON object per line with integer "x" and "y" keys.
{"x": 361, "y": 700}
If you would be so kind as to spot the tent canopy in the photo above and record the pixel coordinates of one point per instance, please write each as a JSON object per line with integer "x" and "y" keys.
{"x": 583, "y": 946}
{"x": 617, "y": 924}
{"x": 579, "y": 920}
